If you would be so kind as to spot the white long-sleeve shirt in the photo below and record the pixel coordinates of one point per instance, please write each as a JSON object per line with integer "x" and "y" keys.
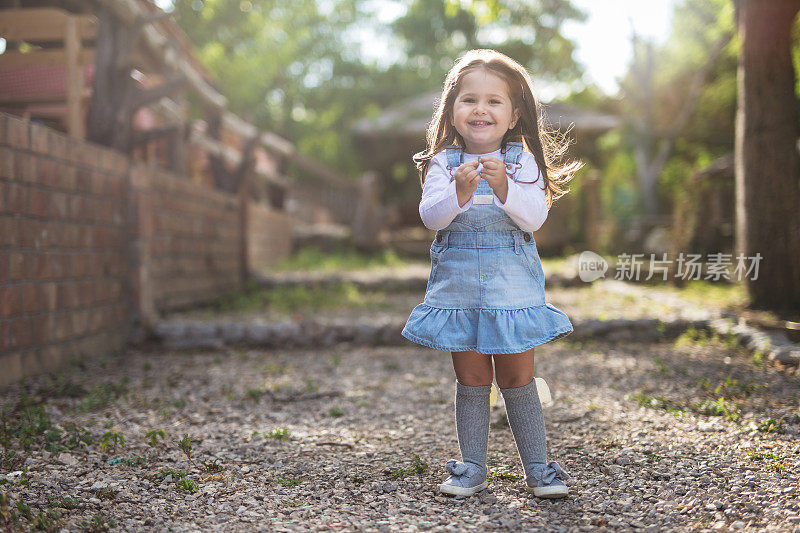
{"x": 525, "y": 202}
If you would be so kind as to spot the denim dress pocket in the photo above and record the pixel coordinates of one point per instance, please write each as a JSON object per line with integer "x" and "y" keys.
{"x": 436, "y": 254}
{"x": 533, "y": 262}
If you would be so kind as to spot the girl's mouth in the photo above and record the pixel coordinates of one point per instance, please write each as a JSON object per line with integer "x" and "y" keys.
{"x": 480, "y": 124}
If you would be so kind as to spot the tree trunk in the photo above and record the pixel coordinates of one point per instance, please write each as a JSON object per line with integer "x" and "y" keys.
{"x": 767, "y": 160}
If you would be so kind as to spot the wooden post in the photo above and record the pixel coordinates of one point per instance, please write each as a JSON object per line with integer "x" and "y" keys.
{"x": 244, "y": 223}
{"x": 368, "y": 218}
{"x": 592, "y": 228}
{"x": 72, "y": 45}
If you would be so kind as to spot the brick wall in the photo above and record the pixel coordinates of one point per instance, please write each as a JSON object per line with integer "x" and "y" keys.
{"x": 94, "y": 247}
{"x": 188, "y": 237}
{"x": 62, "y": 249}
{"x": 269, "y": 236}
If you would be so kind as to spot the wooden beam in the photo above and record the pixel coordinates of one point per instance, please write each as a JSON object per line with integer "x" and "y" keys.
{"x": 76, "y": 125}
{"x": 156, "y": 93}
{"x": 131, "y": 13}
{"x": 42, "y": 24}
{"x": 34, "y": 99}
{"x": 276, "y": 143}
{"x": 43, "y": 58}
{"x": 146, "y": 136}
{"x": 232, "y": 157}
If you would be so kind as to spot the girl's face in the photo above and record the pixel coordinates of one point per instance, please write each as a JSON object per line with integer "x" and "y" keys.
{"x": 483, "y": 112}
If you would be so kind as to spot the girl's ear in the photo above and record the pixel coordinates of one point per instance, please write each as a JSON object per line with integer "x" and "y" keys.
{"x": 514, "y": 119}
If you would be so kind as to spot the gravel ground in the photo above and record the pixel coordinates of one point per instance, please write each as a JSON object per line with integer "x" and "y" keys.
{"x": 628, "y": 423}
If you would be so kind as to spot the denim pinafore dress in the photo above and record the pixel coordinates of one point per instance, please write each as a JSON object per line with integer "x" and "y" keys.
{"x": 486, "y": 286}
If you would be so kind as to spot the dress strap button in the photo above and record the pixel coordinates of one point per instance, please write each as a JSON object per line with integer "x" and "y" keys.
{"x": 527, "y": 237}
{"x": 439, "y": 238}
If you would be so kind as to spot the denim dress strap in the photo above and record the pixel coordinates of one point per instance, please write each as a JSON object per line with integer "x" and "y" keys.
{"x": 455, "y": 157}
{"x": 511, "y": 159}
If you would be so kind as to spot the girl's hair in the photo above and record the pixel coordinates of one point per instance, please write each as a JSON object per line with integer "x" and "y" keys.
{"x": 547, "y": 146}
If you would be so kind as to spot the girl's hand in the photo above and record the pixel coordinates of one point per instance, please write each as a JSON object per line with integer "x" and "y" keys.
{"x": 467, "y": 179}
{"x": 494, "y": 172}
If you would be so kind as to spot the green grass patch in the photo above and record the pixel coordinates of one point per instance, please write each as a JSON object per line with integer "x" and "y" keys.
{"x": 299, "y": 299}
{"x": 731, "y": 387}
{"x": 102, "y": 395}
{"x": 181, "y": 479}
{"x": 656, "y": 402}
{"x": 312, "y": 259}
{"x": 97, "y": 524}
{"x": 418, "y": 466}
{"x": 720, "y": 407}
{"x": 336, "y": 412}
{"x": 712, "y": 293}
{"x": 279, "y": 434}
{"x": 772, "y": 461}
{"x": 701, "y": 338}
{"x": 503, "y": 476}
{"x": 770, "y": 425}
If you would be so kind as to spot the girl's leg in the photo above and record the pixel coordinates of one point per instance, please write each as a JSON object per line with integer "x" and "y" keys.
{"x": 524, "y": 410}
{"x": 472, "y": 368}
{"x": 474, "y": 375}
{"x": 514, "y": 370}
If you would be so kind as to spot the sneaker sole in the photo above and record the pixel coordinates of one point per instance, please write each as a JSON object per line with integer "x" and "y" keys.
{"x": 462, "y": 491}
{"x": 548, "y": 492}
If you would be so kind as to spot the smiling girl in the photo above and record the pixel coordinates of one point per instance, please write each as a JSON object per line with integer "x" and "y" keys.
{"x": 489, "y": 176}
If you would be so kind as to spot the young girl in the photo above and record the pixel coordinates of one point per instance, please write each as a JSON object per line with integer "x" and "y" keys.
{"x": 489, "y": 176}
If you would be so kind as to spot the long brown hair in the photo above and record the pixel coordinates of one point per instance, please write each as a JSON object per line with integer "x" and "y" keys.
{"x": 547, "y": 146}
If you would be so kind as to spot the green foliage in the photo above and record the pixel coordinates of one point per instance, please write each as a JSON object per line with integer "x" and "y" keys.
{"x": 185, "y": 445}
{"x": 153, "y": 436}
{"x": 656, "y": 402}
{"x": 112, "y": 439}
{"x": 313, "y": 259}
{"x": 97, "y": 524}
{"x": 181, "y": 479}
{"x": 720, "y": 407}
{"x": 102, "y": 395}
{"x": 770, "y": 425}
{"x": 299, "y": 299}
{"x": 213, "y": 467}
{"x": 322, "y": 72}
{"x": 418, "y": 466}
{"x": 279, "y": 434}
{"x": 504, "y": 476}
{"x": 188, "y": 484}
{"x": 336, "y": 412}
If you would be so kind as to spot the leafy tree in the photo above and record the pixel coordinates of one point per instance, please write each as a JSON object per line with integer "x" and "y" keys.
{"x": 297, "y": 68}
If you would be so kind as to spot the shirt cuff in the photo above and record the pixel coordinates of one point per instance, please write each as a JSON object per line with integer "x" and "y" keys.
{"x": 454, "y": 195}
{"x": 509, "y": 194}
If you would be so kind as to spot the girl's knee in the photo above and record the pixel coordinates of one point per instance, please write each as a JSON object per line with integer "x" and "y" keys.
{"x": 475, "y": 380}
{"x": 512, "y": 382}
{"x": 509, "y": 378}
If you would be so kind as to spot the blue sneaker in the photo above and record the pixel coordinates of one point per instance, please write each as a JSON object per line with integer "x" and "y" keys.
{"x": 546, "y": 481}
{"x": 466, "y": 479}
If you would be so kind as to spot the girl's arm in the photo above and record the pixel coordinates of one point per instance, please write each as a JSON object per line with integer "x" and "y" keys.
{"x": 526, "y": 203}
{"x": 439, "y": 204}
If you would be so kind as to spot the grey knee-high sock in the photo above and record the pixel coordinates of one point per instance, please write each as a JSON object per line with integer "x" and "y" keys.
{"x": 524, "y": 410}
{"x": 472, "y": 422}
